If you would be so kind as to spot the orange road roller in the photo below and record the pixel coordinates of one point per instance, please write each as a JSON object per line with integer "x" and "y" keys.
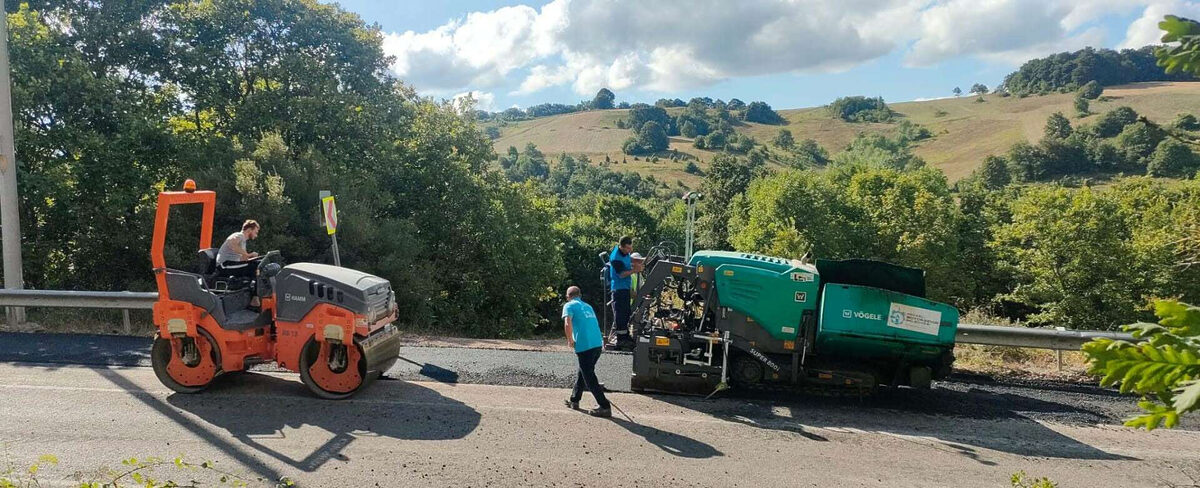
{"x": 333, "y": 325}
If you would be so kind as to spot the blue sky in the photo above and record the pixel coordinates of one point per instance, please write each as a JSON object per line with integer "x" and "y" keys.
{"x": 789, "y": 53}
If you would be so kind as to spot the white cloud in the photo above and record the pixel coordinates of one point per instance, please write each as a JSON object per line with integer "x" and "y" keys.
{"x": 1003, "y": 30}
{"x": 1145, "y": 29}
{"x": 668, "y": 46}
{"x": 478, "y": 50}
{"x": 482, "y": 100}
{"x": 542, "y": 76}
{"x": 591, "y": 44}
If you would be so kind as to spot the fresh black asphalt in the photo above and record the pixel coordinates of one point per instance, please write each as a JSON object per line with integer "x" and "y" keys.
{"x": 960, "y": 396}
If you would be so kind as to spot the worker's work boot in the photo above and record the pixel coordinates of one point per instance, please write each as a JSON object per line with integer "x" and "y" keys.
{"x": 621, "y": 342}
{"x": 600, "y": 412}
{"x": 571, "y": 405}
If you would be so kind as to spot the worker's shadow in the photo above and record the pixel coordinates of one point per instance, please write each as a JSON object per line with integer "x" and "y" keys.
{"x": 263, "y": 411}
{"x": 670, "y": 442}
{"x": 961, "y": 420}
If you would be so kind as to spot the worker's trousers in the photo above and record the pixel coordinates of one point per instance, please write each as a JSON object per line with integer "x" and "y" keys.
{"x": 620, "y": 307}
{"x": 587, "y": 377}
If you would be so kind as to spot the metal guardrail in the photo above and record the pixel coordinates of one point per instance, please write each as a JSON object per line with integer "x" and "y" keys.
{"x": 128, "y": 300}
{"x": 989, "y": 335}
{"x": 1057, "y": 339}
{"x": 123, "y": 300}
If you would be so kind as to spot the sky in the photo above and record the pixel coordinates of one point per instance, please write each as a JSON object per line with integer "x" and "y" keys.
{"x": 788, "y": 53}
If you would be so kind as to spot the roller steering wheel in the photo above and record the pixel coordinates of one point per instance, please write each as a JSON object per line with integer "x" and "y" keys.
{"x": 263, "y": 284}
{"x": 269, "y": 257}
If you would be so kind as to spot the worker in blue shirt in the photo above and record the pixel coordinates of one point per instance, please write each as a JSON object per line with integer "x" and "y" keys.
{"x": 584, "y": 336}
{"x": 620, "y": 268}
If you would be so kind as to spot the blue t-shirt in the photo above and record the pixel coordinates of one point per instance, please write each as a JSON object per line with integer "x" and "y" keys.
{"x": 619, "y": 262}
{"x": 585, "y": 330}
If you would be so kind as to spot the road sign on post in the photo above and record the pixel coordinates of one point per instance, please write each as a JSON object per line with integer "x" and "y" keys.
{"x": 329, "y": 212}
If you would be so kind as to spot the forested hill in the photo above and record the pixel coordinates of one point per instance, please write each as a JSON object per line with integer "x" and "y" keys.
{"x": 963, "y": 130}
{"x": 1069, "y": 71}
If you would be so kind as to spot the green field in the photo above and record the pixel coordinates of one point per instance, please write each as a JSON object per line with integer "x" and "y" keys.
{"x": 964, "y": 130}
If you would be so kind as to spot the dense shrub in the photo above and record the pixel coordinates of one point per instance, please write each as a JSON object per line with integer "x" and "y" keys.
{"x": 860, "y": 109}
{"x": 762, "y": 113}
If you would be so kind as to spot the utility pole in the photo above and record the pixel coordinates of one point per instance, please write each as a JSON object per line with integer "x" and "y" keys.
{"x": 691, "y": 198}
{"x": 10, "y": 222}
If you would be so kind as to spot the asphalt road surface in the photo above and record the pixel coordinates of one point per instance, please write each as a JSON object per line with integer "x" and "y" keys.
{"x": 446, "y": 420}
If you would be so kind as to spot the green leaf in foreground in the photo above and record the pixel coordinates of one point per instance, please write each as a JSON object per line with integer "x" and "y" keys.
{"x": 1163, "y": 366}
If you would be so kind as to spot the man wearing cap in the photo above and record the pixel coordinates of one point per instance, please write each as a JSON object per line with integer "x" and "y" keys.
{"x": 620, "y": 270}
{"x": 635, "y": 279}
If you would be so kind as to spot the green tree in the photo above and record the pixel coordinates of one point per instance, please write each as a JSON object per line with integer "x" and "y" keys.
{"x": 728, "y": 176}
{"x": 1172, "y": 158}
{"x": 642, "y": 113}
{"x": 762, "y": 113}
{"x": 808, "y": 153}
{"x": 1091, "y": 90}
{"x": 1026, "y": 162}
{"x": 591, "y": 224}
{"x": 1138, "y": 141}
{"x": 784, "y": 139}
{"x": 283, "y": 98}
{"x": 908, "y": 218}
{"x": 1063, "y": 157}
{"x": 1186, "y": 122}
{"x": 531, "y": 165}
{"x": 652, "y": 137}
{"x": 979, "y": 89}
{"x": 688, "y": 129}
{"x": 957, "y": 91}
{"x": 981, "y": 277}
{"x": 1082, "y": 107}
{"x": 1103, "y": 155}
{"x": 908, "y": 132}
{"x": 1057, "y": 126}
{"x": 1114, "y": 121}
{"x": 993, "y": 173}
{"x": 93, "y": 146}
{"x": 878, "y": 150}
{"x": 860, "y": 109}
{"x": 1070, "y": 251}
{"x": 603, "y": 99}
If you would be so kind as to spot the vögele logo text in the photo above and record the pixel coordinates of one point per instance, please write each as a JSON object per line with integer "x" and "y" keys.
{"x": 859, "y": 314}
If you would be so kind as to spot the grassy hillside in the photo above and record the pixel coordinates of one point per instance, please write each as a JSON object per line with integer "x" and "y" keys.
{"x": 965, "y": 131}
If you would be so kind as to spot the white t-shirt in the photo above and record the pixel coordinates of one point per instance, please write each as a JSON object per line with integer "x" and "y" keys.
{"x": 228, "y": 251}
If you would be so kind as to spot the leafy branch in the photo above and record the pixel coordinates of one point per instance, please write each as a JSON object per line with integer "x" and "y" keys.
{"x": 1163, "y": 365}
{"x": 1186, "y": 55}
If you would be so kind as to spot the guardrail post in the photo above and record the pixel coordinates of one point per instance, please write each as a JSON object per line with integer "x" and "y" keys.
{"x": 129, "y": 329}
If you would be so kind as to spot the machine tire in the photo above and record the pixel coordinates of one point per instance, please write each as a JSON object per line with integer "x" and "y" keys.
{"x": 160, "y": 358}
{"x": 309, "y": 355}
{"x": 746, "y": 370}
{"x": 920, "y": 377}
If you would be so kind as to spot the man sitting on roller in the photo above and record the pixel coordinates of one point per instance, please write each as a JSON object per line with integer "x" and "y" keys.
{"x": 233, "y": 259}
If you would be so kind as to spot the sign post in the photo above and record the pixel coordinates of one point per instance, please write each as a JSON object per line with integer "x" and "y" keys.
{"x": 329, "y": 211}
{"x": 10, "y": 221}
